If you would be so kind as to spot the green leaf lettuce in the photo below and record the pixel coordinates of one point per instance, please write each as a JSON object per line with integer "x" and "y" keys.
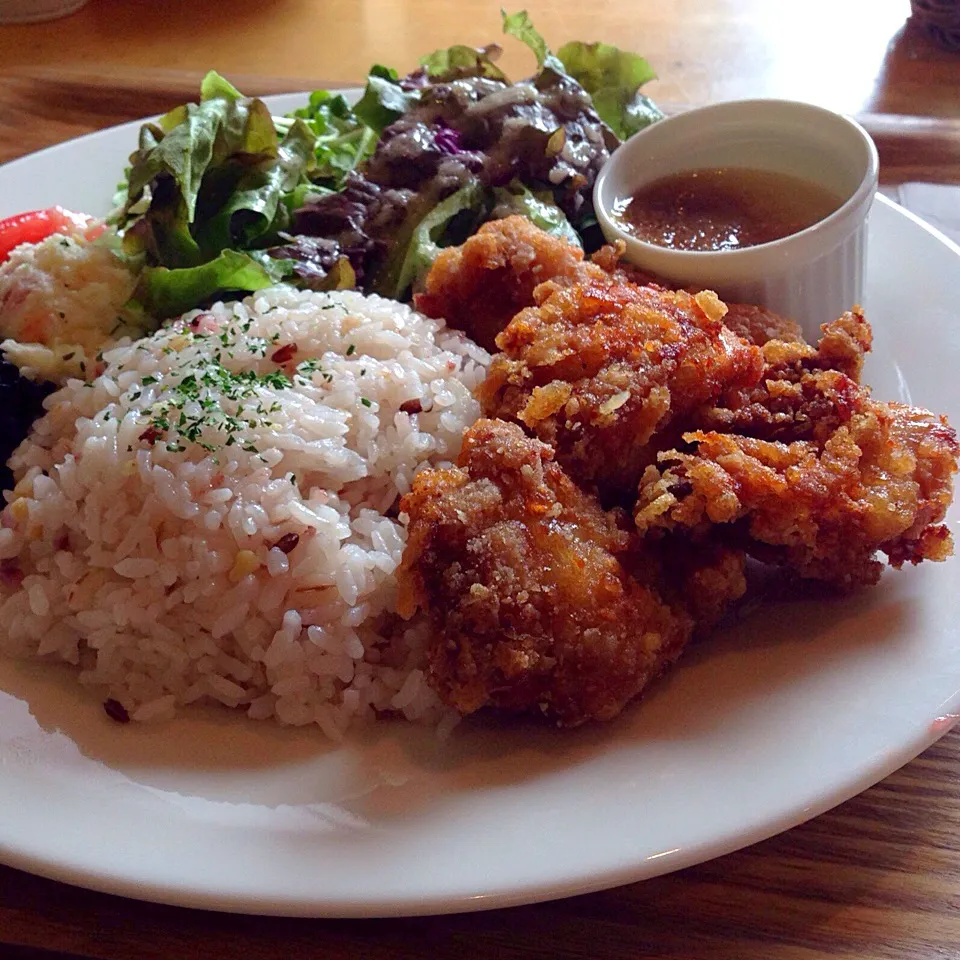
{"x": 611, "y": 76}
{"x": 613, "y": 79}
{"x": 537, "y": 207}
{"x": 168, "y": 293}
{"x": 458, "y": 61}
{"x": 383, "y": 100}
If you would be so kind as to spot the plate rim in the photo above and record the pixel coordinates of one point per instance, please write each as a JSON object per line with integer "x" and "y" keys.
{"x": 102, "y": 881}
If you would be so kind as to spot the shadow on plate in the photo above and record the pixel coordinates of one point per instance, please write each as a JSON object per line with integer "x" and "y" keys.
{"x": 721, "y": 679}
{"x": 390, "y": 768}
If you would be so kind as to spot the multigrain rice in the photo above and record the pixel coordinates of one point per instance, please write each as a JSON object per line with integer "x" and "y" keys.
{"x": 213, "y": 518}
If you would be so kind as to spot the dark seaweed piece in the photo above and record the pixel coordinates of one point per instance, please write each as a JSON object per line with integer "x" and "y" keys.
{"x": 21, "y": 402}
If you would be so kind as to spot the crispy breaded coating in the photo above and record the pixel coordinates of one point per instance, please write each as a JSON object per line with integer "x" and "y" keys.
{"x": 523, "y": 579}
{"x": 844, "y": 343}
{"x": 610, "y": 259}
{"x": 706, "y": 575}
{"x": 803, "y": 393}
{"x": 881, "y": 482}
{"x": 479, "y": 286}
{"x": 744, "y": 439}
{"x": 758, "y": 325}
{"x": 599, "y": 368}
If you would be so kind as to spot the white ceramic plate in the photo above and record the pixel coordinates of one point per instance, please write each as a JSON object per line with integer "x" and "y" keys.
{"x": 760, "y": 728}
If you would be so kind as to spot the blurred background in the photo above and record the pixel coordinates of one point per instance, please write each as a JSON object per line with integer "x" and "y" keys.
{"x": 851, "y": 55}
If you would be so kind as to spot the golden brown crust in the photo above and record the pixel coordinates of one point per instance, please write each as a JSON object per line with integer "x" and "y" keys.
{"x": 758, "y": 325}
{"x": 599, "y": 368}
{"x": 523, "y": 578}
{"x": 882, "y": 481}
{"x": 803, "y": 393}
{"x": 479, "y": 286}
{"x": 744, "y": 438}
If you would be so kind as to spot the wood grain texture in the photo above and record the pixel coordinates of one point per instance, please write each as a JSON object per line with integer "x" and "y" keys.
{"x": 876, "y": 879}
{"x": 41, "y": 106}
{"x": 852, "y": 55}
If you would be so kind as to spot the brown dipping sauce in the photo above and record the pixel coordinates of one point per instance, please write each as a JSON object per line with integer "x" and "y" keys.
{"x": 724, "y": 209}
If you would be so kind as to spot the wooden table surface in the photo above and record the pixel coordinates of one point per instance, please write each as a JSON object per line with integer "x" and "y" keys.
{"x": 879, "y": 877}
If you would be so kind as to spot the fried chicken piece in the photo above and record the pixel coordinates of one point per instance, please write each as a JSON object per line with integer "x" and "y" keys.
{"x": 883, "y": 481}
{"x": 758, "y": 325}
{"x": 707, "y": 576}
{"x": 523, "y": 579}
{"x": 609, "y": 258}
{"x": 600, "y": 368}
{"x": 844, "y": 343}
{"x": 804, "y": 393}
{"x": 479, "y": 286}
{"x": 755, "y": 324}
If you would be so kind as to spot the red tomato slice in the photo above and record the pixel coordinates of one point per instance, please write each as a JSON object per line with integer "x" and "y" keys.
{"x": 35, "y": 225}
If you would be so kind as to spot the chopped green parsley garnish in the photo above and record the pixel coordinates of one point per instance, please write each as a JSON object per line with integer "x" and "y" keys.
{"x": 190, "y": 407}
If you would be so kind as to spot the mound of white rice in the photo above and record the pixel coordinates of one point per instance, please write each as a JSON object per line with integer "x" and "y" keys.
{"x": 213, "y": 517}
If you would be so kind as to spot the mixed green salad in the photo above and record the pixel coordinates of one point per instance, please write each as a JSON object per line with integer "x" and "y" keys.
{"x": 222, "y": 196}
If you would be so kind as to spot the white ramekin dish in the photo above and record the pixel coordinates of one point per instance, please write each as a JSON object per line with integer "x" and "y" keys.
{"x": 811, "y": 276}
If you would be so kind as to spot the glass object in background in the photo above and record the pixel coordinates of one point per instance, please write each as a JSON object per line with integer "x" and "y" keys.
{"x": 36, "y": 11}
{"x": 940, "y": 20}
